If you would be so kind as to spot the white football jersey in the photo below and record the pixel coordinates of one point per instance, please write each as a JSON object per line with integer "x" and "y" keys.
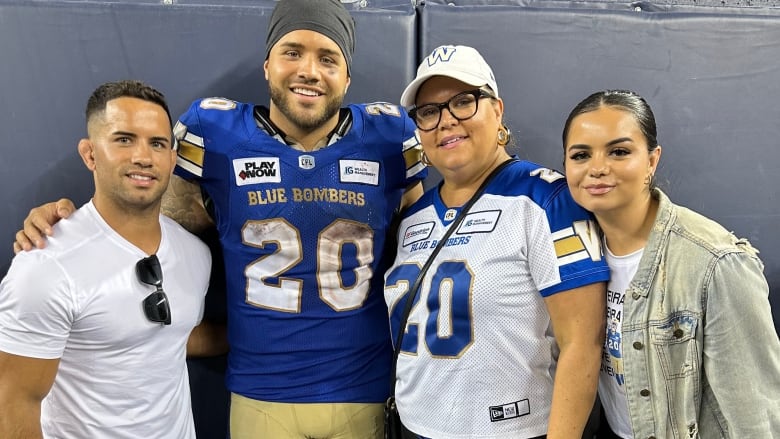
{"x": 478, "y": 356}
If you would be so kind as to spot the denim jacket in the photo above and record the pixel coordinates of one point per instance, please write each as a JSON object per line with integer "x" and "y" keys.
{"x": 700, "y": 351}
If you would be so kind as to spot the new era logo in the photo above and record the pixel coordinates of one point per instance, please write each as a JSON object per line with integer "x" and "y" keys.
{"x": 509, "y": 411}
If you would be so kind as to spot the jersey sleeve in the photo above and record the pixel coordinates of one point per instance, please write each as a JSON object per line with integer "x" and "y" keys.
{"x": 37, "y": 308}
{"x": 412, "y": 150}
{"x": 207, "y": 118}
{"x": 190, "y": 147}
{"x": 576, "y": 241}
{"x": 390, "y": 120}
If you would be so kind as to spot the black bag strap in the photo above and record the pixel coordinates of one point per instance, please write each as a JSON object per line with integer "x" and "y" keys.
{"x": 416, "y": 286}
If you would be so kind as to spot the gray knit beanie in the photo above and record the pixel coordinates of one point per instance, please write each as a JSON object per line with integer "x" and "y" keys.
{"x": 328, "y": 17}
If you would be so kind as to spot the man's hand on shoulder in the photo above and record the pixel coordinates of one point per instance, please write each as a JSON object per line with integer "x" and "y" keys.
{"x": 39, "y": 222}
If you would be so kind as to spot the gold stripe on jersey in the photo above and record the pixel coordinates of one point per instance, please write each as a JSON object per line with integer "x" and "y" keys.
{"x": 412, "y": 151}
{"x": 569, "y": 246}
{"x": 189, "y": 149}
{"x": 413, "y": 156}
{"x": 191, "y": 152}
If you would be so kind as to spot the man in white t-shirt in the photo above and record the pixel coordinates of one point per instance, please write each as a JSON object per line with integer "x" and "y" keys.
{"x": 94, "y": 328}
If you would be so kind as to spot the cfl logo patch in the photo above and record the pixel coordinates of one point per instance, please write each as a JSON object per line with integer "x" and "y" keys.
{"x": 509, "y": 411}
{"x": 306, "y": 162}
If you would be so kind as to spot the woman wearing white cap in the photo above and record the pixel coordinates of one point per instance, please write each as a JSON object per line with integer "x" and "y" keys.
{"x": 504, "y": 333}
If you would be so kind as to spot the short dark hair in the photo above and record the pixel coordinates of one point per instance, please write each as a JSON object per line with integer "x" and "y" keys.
{"x": 127, "y": 88}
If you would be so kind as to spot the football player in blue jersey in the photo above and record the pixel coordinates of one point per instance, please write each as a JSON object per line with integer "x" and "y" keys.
{"x": 302, "y": 194}
{"x": 504, "y": 335}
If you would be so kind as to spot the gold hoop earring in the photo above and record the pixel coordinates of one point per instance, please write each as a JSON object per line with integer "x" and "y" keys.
{"x": 649, "y": 179}
{"x": 503, "y": 135}
{"x": 425, "y": 160}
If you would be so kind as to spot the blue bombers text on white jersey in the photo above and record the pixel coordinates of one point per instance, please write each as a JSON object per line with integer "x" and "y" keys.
{"x": 479, "y": 336}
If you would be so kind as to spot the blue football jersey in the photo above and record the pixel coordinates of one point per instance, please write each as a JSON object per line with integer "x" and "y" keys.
{"x": 302, "y": 235}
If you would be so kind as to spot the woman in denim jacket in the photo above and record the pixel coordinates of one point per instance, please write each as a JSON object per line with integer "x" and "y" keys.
{"x": 691, "y": 349}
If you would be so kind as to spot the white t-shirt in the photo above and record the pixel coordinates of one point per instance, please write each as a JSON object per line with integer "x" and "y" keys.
{"x": 120, "y": 375}
{"x": 612, "y": 390}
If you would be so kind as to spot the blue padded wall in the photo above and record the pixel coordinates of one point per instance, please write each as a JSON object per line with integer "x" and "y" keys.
{"x": 710, "y": 75}
{"x": 55, "y": 53}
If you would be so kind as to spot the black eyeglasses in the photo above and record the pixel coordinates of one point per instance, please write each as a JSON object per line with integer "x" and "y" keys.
{"x": 156, "y": 307}
{"x": 462, "y": 106}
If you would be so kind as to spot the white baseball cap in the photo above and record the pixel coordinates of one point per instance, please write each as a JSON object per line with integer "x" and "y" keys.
{"x": 463, "y": 63}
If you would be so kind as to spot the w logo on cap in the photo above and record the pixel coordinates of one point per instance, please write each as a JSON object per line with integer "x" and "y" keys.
{"x": 462, "y": 63}
{"x": 441, "y": 53}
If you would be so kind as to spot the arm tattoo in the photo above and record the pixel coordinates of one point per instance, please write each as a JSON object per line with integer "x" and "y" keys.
{"x": 184, "y": 204}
